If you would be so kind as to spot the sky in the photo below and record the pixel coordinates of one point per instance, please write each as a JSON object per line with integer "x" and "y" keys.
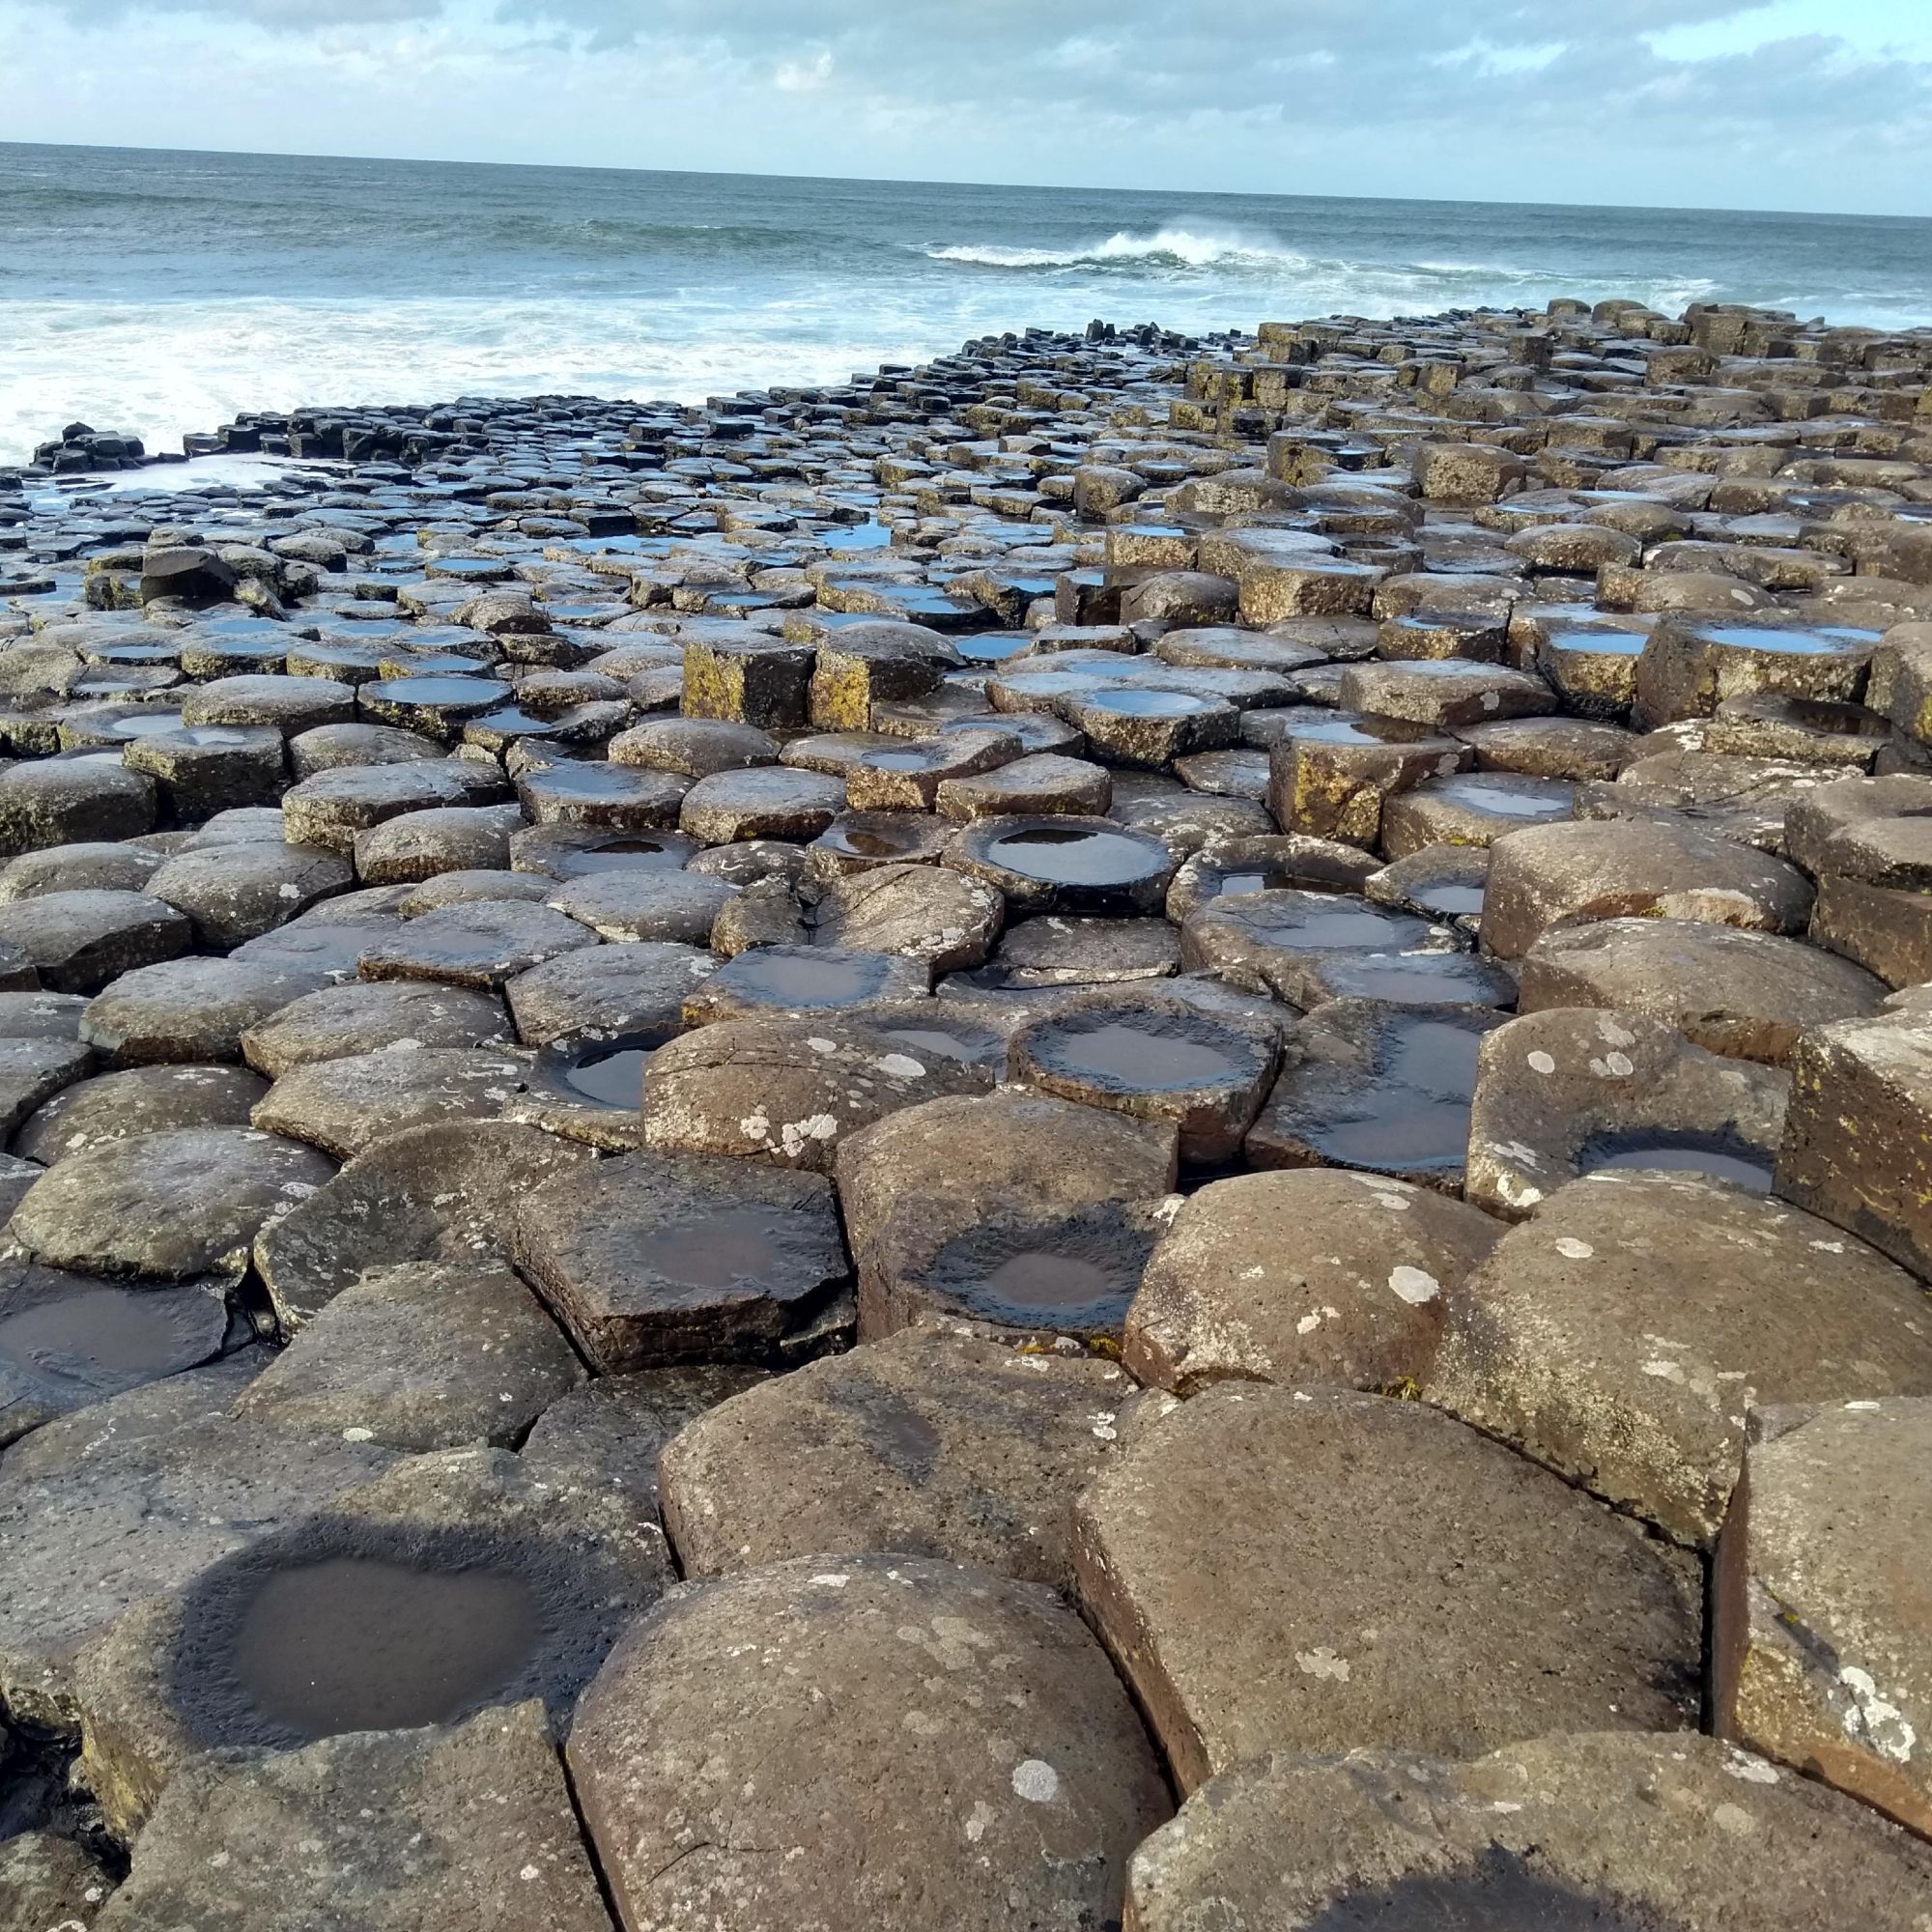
{"x": 1819, "y": 106}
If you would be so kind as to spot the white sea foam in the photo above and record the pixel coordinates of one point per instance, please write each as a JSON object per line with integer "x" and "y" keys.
{"x": 1183, "y": 247}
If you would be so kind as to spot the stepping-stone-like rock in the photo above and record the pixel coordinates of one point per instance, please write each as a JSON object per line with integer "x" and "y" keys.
{"x": 1871, "y": 830}
{"x": 337, "y": 1022}
{"x": 333, "y": 806}
{"x": 1068, "y": 863}
{"x": 1620, "y": 1335}
{"x": 1371, "y": 1573}
{"x": 930, "y": 1443}
{"x": 476, "y": 882}
{"x": 606, "y": 990}
{"x": 661, "y": 905}
{"x": 49, "y": 1881}
{"x": 1042, "y": 783}
{"x": 1555, "y": 874}
{"x": 695, "y": 746}
{"x": 941, "y": 1745}
{"x": 929, "y": 913}
{"x": 650, "y": 1260}
{"x": 1376, "y": 1085}
{"x": 467, "y": 1830}
{"x": 134, "y": 1496}
{"x": 1443, "y": 693}
{"x": 863, "y": 841}
{"x": 168, "y": 1205}
{"x": 606, "y": 1435}
{"x": 68, "y": 1340}
{"x": 201, "y": 769}
{"x": 78, "y": 941}
{"x": 1303, "y": 1278}
{"x": 1689, "y": 665}
{"x": 238, "y": 892}
{"x": 1331, "y": 775}
{"x": 921, "y": 1177}
{"x": 327, "y": 748}
{"x": 752, "y": 679}
{"x": 1470, "y": 808}
{"x": 1287, "y": 862}
{"x": 428, "y": 1355}
{"x": 442, "y": 1192}
{"x": 452, "y": 1582}
{"x": 608, "y": 798}
{"x": 765, "y": 802}
{"x": 803, "y": 979}
{"x": 29, "y": 1014}
{"x": 291, "y": 704}
{"x": 1609, "y": 1830}
{"x": 1749, "y": 995}
{"x": 417, "y": 846}
{"x": 1823, "y": 1645}
{"x": 69, "y": 801}
{"x": 907, "y": 777}
{"x": 480, "y": 944}
{"x": 185, "y": 1010}
{"x": 32, "y": 1071}
{"x": 1854, "y": 1137}
{"x": 860, "y": 666}
{"x": 783, "y": 1089}
{"x": 571, "y": 851}
{"x": 141, "y": 1100}
{"x": 1156, "y": 1059}
{"x": 92, "y": 867}
{"x": 1570, "y": 1091}
{"x": 344, "y": 1105}
{"x": 1075, "y": 949}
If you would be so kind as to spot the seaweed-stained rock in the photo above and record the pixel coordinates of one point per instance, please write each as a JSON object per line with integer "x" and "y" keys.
{"x": 133, "y": 1497}
{"x": 337, "y": 1022}
{"x": 930, "y": 1443}
{"x": 427, "y": 1355}
{"x": 1572, "y": 1090}
{"x": 166, "y": 1206}
{"x": 1823, "y": 1640}
{"x": 79, "y": 941}
{"x": 785, "y": 1090}
{"x": 346, "y": 1105}
{"x": 442, "y": 1193}
{"x": 1854, "y": 1136}
{"x": 467, "y": 1830}
{"x": 924, "y": 1744}
{"x": 1552, "y": 874}
{"x": 1620, "y": 1336}
{"x": 1611, "y": 1829}
{"x": 1371, "y": 1573}
{"x": 651, "y": 1259}
{"x": 1301, "y": 1278}
{"x": 1733, "y": 991}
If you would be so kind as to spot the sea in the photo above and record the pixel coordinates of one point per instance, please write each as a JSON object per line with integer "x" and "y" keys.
{"x": 159, "y": 291}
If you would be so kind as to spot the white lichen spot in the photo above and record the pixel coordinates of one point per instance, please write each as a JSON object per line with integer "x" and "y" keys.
{"x": 982, "y": 1815}
{"x": 1734, "y": 1819}
{"x": 831, "y": 1579}
{"x": 1572, "y": 1249}
{"x": 1875, "y": 1719}
{"x": 1750, "y": 1769}
{"x": 1322, "y": 1661}
{"x": 902, "y": 1066}
{"x": 1308, "y": 1323}
{"x": 795, "y": 1136}
{"x": 528, "y": 1873}
{"x": 818, "y": 1045}
{"x": 1542, "y": 1063}
{"x": 756, "y": 1126}
{"x": 1414, "y": 1286}
{"x": 1664, "y": 1372}
{"x": 1036, "y": 1780}
{"x": 359, "y": 1434}
{"x": 1102, "y": 1425}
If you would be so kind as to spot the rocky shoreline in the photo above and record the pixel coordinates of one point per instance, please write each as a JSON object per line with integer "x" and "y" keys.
{"x": 1135, "y": 1131}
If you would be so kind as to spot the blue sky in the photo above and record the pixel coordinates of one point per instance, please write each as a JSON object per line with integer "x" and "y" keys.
{"x": 1810, "y": 104}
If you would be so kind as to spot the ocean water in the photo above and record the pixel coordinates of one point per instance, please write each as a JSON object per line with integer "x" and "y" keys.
{"x": 159, "y": 291}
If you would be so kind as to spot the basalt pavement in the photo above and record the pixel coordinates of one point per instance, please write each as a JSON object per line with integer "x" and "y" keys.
{"x": 1130, "y": 1132}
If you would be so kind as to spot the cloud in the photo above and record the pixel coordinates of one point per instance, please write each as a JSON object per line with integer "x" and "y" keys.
{"x": 1505, "y": 99}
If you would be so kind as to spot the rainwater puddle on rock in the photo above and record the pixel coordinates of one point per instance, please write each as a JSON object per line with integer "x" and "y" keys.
{"x": 1078, "y": 1273}
{"x": 1751, "y": 1169}
{"x": 1501, "y": 1893}
{"x": 623, "y": 853}
{"x": 1067, "y": 856}
{"x": 1419, "y": 1114}
{"x": 361, "y": 1643}
{"x": 1149, "y": 703}
{"x": 792, "y": 978}
{"x": 1135, "y": 1057}
{"x": 738, "y": 1245}
{"x": 105, "y": 1336}
{"x": 610, "y": 1072}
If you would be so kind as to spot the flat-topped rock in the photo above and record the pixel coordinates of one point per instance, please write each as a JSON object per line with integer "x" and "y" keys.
{"x": 1620, "y": 1336}
{"x": 1611, "y": 1829}
{"x": 78, "y": 941}
{"x": 952, "y": 1749}
{"x": 1371, "y": 1574}
{"x": 139, "y": 1100}
{"x": 346, "y": 1104}
{"x": 337, "y": 1022}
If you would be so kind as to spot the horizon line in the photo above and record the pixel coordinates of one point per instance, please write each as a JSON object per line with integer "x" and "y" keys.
{"x": 922, "y": 181}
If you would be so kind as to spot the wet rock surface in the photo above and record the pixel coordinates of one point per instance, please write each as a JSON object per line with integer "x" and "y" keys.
{"x": 999, "y": 963}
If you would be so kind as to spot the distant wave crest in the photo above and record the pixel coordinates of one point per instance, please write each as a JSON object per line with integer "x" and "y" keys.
{"x": 1166, "y": 247}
